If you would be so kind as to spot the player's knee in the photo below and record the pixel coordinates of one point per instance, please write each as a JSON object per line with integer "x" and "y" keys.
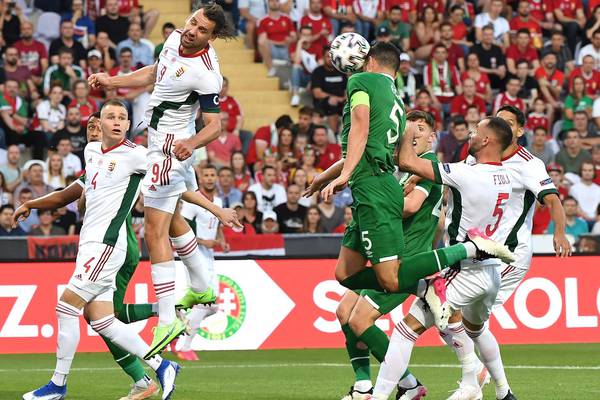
{"x": 342, "y": 312}
{"x": 359, "y": 324}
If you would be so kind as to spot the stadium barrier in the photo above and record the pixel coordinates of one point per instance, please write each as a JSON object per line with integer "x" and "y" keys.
{"x": 276, "y": 304}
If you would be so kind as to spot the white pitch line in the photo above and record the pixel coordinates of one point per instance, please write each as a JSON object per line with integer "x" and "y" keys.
{"x": 312, "y": 365}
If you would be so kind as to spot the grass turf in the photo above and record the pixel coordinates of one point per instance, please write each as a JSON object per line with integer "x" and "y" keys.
{"x": 535, "y": 372}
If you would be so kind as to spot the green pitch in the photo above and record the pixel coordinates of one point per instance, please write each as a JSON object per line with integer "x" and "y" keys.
{"x": 535, "y": 372}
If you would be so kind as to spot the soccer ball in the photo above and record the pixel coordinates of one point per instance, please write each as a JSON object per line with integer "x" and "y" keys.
{"x": 348, "y": 52}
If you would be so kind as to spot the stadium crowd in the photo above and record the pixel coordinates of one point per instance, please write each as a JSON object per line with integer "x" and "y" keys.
{"x": 460, "y": 60}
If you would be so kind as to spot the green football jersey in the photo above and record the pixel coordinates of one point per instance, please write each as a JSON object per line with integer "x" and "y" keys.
{"x": 387, "y": 119}
{"x": 420, "y": 228}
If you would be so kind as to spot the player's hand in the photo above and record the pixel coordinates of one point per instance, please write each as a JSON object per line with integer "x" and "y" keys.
{"x": 411, "y": 183}
{"x": 229, "y": 218}
{"x": 21, "y": 214}
{"x": 562, "y": 246}
{"x": 334, "y": 186}
{"x": 210, "y": 244}
{"x": 313, "y": 188}
{"x": 100, "y": 81}
{"x": 183, "y": 149}
{"x": 225, "y": 246}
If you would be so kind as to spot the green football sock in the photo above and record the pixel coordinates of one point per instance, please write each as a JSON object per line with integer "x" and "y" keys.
{"x": 135, "y": 312}
{"x": 359, "y": 358}
{"x": 128, "y": 362}
{"x": 424, "y": 264}
{"x": 365, "y": 279}
{"x": 376, "y": 340}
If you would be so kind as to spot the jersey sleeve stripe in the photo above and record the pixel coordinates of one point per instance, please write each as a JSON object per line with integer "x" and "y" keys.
{"x": 546, "y": 192}
{"x": 112, "y": 233}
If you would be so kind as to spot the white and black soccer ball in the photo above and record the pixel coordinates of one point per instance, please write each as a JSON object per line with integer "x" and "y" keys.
{"x": 348, "y": 52}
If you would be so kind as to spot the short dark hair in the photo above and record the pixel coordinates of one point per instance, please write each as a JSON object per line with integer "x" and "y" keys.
{"x": 113, "y": 102}
{"x": 319, "y": 127}
{"x": 455, "y": 7}
{"x": 580, "y": 112}
{"x": 570, "y": 198}
{"x": 306, "y": 110}
{"x": 514, "y": 111}
{"x": 395, "y": 7}
{"x": 5, "y": 206}
{"x": 168, "y": 25}
{"x": 445, "y": 23}
{"x": 208, "y": 166}
{"x": 225, "y": 168}
{"x": 440, "y": 46}
{"x": 418, "y": 115}
{"x": 459, "y": 120}
{"x": 524, "y": 30}
{"x": 266, "y": 167}
{"x": 386, "y": 54}
{"x": 284, "y": 121}
{"x": 125, "y": 50}
{"x": 65, "y": 50}
{"x": 522, "y": 61}
{"x": 488, "y": 27}
{"x": 214, "y": 12}
{"x": 501, "y": 130}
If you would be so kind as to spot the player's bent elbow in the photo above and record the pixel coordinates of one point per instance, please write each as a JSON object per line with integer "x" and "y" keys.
{"x": 389, "y": 283}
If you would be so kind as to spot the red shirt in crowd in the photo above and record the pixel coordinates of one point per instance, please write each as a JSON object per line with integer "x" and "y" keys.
{"x": 31, "y": 55}
{"x": 339, "y": 6}
{"x": 505, "y": 99}
{"x": 539, "y": 8}
{"x": 445, "y": 86}
{"x": 556, "y": 79}
{"x": 277, "y": 29}
{"x": 529, "y": 55}
{"x": 459, "y": 31}
{"x": 459, "y": 105}
{"x": 262, "y": 133}
{"x": 535, "y": 120}
{"x": 480, "y": 84}
{"x": 318, "y": 25}
{"x": 125, "y": 6}
{"x": 223, "y": 147}
{"x": 332, "y": 153}
{"x": 568, "y": 7}
{"x": 597, "y": 178}
{"x": 455, "y": 52}
{"x": 591, "y": 5}
{"x": 438, "y": 5}
{"x": 518, "y": 23}
{"x": 407, "y": 6}
{"x": 592, "y": 82}
{"x": 86, "y": 109}
{"x": 232, "y": 108}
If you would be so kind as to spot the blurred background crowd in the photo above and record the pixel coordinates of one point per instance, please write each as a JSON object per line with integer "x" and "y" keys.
{"x": 460, "y": 60}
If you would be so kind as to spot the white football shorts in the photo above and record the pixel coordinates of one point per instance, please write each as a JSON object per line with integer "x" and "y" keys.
{"x": 510, "y": 278}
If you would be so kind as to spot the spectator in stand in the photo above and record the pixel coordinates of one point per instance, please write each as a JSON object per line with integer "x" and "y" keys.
{"x": 236, "y": 117}
{"x": 66, "y": 40}
{"x": 6, "y": 222}
{"x": 142, "y": 53}
{"x": 306, "y": 57}
{"x": 426, "y": 102}
{"x": 482, "y": 81}
{"x": 226, "y": 190}
{"x": 275, "y": 33}
{"x": 64, "y": 72}
{"x": 221, "y": 149}
{"x": 399, "y": 31}
{"x": 572, "y": 155}
{"x": 11, "y": 171}
{"x": 25, "y": 195}
{"x": 35, "y": 181}
{"x": 564, "y": 56}
{"x": 269, "y": 223}
{"x": 575, "y": 226}
{"x": 82, "y": 101}
{"x": 425, "y": 34}
{"x": 298, "y": 177}
{"x": 71, "y": 163}
{"x": 491, "y": 57}
{"x": 94, "y": 66}
{"x": 167, "y": 29}
{"x": 510, "y": 96}
{"x": 112, "y": 23}
{"x": 304, "y": 126}
{"x": 50, "y": 118}
{"x": 11, "y": 18}
{"x": 460, "y": 103}
{"x": 596, "y": 161}
{"x": 541, "y": 147}
{"x": 340, "y": 13}
{"x": 296, "y": 10}
{"x": 453, "y": 145}
{"x": 590, "y": 76}
{"x": 440, "y": 77}
{"x": 265, "y": 137}
{"x": 460, "y": 31}
{"x": 592, "y": 49}
{"x": 320, "y": 25}
{"x": 20, "y": 73}
{"x": 581, "y": 124}
{"x": 33, "y": 53}
{"x": 550, "y": 80}
{"x": 524, "y": 20}
{"x": 328, "y": 87}
{"x": 347, "y": 220}
{"x": 147, "y": 19}
{"x": 252, "y": 215}
{"x": 285, "y": 149}
{"x": 522, "y": 50}
{"x": 84, "y": 27}
{"x": 46, "y": 227}
{"x": 309, "y": 163}
{"x": 241, "y": 174}
{"x": 74, "y": 132}
{"x": 290, "y": 215}
{"x": 577, "y": 100}
{"x": 5, "y": 196}
{"x": 406, "y": 81}
{"x": 569, "y": 13}
{"x": 102, "y": 51}
{"x": 331, "y": 216}
{"x": 130, "y": 96}
{"x": 456, "y": 54}
{"x": 587, "y": 193}
{"x": 312, "y": 221}
{"x": 252, "y": 11}
{"x": 367, "y": 14}
{"x": 66, "y": 220}
{"x": 472, "y": 118}
{"x": 593, "y": 23}
{"x": 14, "y": 112}
{"x": 53, "y": 176}
{"x": 268, "y": 193}
{"x": 529, "y": 86}
{"x": 329, "y": 153}
{"x": 500, "y": 25}
{"x": 557, "y": 175}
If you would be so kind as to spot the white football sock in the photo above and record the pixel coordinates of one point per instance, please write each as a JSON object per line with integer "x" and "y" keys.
{"x": 196, "y": 316}
{"x": 456, "y": 337}
{"x": 363, "y": 386}
{"x": 408, "y": 382}
{"x": 489, "y": 352}
{"x": 396, "y": 360}
{"x": 186, "y": 246}
{"x": 471, "y": 249}
{"x": 67, "y": 341}
{"x": 163, "y": 278}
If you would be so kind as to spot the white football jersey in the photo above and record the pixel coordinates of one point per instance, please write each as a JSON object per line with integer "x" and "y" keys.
{"x": 112, "y": 185}
{"x": 183, "y": 84}
{"x": 477, "y": 199}
{"x": 206, "y": 223}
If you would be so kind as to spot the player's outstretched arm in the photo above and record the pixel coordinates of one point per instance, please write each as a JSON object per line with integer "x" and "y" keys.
{"x": 409, "y": 161}
{"x": 48, "y": 202}
{"x": 324, "y": 178}
{"x": 139, "y": 78}
{"x": 562, "y": 246}
{"x": 227, "y": 216}
{"x": 183, "y": 149}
